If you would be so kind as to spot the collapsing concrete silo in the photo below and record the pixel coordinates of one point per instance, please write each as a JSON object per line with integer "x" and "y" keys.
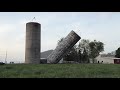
{"x": 68, "y": 42}
{"x": 33, "y": 48}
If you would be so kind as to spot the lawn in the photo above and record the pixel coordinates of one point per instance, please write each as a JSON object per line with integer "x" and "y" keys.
{"x": 60, "y": 71}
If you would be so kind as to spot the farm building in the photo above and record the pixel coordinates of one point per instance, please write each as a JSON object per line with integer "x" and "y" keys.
{"x": 116, "y": 60}
{"x": 105, "y": 59}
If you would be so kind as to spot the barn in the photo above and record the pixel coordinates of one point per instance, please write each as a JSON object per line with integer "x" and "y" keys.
{"x": 116, "y": 60}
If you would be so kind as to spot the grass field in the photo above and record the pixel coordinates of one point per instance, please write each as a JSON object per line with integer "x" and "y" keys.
{"x": 60, "y": 71}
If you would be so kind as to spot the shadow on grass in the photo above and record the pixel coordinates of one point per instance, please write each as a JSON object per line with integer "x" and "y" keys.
{"x": 8, "y": 67}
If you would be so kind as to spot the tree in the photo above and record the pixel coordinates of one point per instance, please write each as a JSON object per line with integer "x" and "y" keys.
{"x": 84, "y": 51}
{"x": 84, "y": 45}
{"x": 117, "y": 53}
{"x": 79, "y": 56}
{"x": 71, "y": 55}
{"x": 90, "y": 50}
{"x": 85, "y": 56}
{"x": 95, "y": 49}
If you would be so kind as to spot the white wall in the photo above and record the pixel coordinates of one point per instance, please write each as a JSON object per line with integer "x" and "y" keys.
{"x": 108, "y": 60}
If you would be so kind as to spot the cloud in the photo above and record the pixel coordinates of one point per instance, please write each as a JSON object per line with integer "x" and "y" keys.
{"x": 74, "y": 26}
{"x": 48, "y": 45}
{"x": 12, "y": 39}
{"x": 6, "y": 28}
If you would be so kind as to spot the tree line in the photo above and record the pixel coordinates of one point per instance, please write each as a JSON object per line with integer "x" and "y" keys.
{"x": 84, "y": 52}
{"x": 117, "y": 53}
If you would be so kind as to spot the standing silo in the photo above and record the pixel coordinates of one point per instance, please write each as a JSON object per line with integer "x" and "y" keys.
{"x": 33, "y": 43}
{"x": 68, "y": 42}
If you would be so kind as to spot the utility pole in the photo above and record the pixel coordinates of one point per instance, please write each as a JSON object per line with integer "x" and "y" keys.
{"x": 6, "y": 57}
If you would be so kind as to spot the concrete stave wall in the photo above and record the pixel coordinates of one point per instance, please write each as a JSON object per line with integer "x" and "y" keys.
{"x": 69, "y": 41}
{"x": 33, "y": 39}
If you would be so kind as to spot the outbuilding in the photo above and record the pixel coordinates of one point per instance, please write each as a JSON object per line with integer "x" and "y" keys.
{"x": 116, "y": 60}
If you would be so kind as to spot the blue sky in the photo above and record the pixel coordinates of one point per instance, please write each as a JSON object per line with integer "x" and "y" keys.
{"x": 102, "y": 26}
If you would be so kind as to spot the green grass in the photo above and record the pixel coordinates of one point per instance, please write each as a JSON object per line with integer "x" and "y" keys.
{"x": 60, "y": 71}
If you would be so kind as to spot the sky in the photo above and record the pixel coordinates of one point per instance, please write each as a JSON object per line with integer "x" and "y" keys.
{"x": 101, "y": 26}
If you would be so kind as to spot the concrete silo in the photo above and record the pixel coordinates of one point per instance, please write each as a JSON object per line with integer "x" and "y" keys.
{"x": 68, "y": 42}
{"x": 33, "y": 43}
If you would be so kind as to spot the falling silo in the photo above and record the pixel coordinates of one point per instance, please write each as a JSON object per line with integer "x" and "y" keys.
{"x": 33, "y": 43}
{"x": 68, "y": 42}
